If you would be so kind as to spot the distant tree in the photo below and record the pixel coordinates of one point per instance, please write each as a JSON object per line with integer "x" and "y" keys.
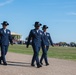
{"x": 72, "y": 44}
{"x": 62, "y": 43}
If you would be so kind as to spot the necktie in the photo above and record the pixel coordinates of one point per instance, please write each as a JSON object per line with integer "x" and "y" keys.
{"x": 45, "y": 33}
{"x": 4, "y": 30}
{"x": 37, "y": 31}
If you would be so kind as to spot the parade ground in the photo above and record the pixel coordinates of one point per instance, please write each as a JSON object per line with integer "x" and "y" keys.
{"x": 19, "y": 60}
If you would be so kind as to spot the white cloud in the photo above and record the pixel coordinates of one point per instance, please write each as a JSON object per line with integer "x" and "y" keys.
{"x": 72, "y": 13}
{"x": 6, "y": 2}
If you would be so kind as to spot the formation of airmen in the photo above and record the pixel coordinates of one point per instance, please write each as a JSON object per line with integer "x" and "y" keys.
{"x": 40, "y": 39}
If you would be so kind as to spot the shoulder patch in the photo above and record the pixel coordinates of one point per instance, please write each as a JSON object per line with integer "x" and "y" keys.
{"x": 40, "y": 33}
{"x": 48, "y": 34}
{"x": 8, "y": 32}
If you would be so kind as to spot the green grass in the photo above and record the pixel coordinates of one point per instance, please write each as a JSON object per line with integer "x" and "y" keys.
{"x": 54, "y": 52}
{"x": 62, "y": 53}
{"x": 20, "y": 49}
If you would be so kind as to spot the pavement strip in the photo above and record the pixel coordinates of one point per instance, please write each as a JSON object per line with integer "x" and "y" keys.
{"x": 19, "y": 64}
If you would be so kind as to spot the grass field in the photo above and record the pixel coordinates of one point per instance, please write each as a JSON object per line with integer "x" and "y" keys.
{"x": 54, "y": 52}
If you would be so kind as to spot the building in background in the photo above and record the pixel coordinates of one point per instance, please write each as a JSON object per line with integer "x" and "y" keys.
{"x": 16, "y": 38}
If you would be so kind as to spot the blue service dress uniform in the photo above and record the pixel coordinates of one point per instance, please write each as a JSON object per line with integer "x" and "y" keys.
{"x": 45, "y": 46}
{"x": 36, "y": 38}
{"x": 5, "y": 37}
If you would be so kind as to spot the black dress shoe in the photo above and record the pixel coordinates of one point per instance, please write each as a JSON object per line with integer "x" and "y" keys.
{"x": 0, "y": 61}
{"x": 47, "y": 64}
{"x": 5, "y": 63}
{"x": 41, "y": 63}
{"x": 32, "y": 65}
{"x": 38, "y": 66}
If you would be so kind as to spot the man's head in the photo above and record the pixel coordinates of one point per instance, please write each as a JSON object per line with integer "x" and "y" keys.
{"x": 44, "y": 28}
{"x": 5, "y": 24}
{"x": 37, "y": 25}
